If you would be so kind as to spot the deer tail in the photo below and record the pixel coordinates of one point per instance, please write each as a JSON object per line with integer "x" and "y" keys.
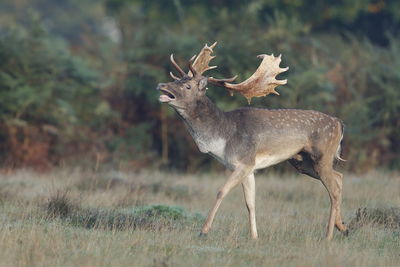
{"x": 339, "y": 148}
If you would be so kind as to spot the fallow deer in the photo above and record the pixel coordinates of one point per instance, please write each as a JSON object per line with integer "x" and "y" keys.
{"x": 248, "y": 139}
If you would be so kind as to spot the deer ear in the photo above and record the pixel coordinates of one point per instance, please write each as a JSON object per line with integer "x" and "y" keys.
{"x": 202, "y": 84}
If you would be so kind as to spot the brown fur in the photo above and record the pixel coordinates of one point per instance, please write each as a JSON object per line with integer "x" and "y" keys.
{"x": 247, "y": 139}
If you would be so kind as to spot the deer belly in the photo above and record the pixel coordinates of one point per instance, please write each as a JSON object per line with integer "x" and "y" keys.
{"x": 264, "y": 160}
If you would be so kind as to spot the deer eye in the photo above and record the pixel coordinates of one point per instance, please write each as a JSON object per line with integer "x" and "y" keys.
{"x": 188, "y": 86}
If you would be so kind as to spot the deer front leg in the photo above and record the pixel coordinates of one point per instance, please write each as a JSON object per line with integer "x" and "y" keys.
{"x": 249, "y": 190}
{"x": 234, "y": 179}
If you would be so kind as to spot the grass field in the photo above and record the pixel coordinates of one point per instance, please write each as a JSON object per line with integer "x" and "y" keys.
{"x": 79, "y": 218}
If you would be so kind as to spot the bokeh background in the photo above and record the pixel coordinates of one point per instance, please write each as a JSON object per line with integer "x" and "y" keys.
{"x": 78, "y": 77}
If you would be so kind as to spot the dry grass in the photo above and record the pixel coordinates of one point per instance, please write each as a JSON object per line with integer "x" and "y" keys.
{"x": 70, "y": 218}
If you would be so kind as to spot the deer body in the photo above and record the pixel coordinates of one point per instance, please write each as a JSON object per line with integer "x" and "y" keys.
{"x": 261, "y": 136}
{"x": 247, "y": 139}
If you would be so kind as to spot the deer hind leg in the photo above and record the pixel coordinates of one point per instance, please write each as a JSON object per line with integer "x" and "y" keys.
{"x": 249, "y": 190}
{"x": 339, "y": 222}
{"x": 319, "y": 166}
{"x": 333, "y": 184}
{"x": 330, "y": 185}
{"x": 234, "y": 179}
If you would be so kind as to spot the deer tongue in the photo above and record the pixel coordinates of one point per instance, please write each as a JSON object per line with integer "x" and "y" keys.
{"x": 164, "y": 98}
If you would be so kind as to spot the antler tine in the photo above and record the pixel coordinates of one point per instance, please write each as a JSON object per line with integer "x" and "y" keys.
{"x": 176, "y": 66}
{"x": 173, "y": 76}
{"x": 193, "y": 71}
{"x": 213, "y": 45}
{"x": 221, "y": 82}
{"x": 261, "y": 83}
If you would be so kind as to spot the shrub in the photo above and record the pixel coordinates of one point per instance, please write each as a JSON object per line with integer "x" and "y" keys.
{"x": 388, "y": 217}
{"x": 155, "y": 217}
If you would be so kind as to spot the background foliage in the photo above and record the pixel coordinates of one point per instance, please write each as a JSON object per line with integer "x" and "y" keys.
{"x": 78, "y": 78}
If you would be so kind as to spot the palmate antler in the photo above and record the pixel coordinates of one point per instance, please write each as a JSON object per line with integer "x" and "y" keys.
{"x": 200, "y": 64}
{"x": 197, "y": 64}
{"x": 261, "y": 83}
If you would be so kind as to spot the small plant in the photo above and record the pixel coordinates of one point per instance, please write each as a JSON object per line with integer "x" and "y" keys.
{"x": 161, "y": 211}
{"x": 59, "y": 205}
{"x": 387, "y": 217}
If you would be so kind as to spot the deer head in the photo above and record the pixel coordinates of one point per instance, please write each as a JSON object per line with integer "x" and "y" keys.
{"x": 187, "y": 87}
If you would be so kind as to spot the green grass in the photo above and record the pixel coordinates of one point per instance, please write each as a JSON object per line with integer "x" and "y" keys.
{"x": 77, "y": 218}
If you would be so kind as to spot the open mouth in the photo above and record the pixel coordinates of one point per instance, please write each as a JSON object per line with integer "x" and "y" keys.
{"x": 166, "y": 96}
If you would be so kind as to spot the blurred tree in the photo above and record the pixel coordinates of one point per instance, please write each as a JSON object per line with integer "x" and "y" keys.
{"x": 45, "y": 89}
{"x": 82, "y": 75}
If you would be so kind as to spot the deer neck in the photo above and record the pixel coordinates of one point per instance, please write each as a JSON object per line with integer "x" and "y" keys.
{"x": 208, "y": 126}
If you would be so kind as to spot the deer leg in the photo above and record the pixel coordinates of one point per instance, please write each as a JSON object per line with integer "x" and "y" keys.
{"x": 334, "y": 190}
{"x": 339, "y": 222}
{"x": 249, "y": 190}
{"x": 234, "y": 179}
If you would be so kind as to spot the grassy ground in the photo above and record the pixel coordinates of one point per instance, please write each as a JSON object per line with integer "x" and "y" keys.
{"x": 70, "y": 218}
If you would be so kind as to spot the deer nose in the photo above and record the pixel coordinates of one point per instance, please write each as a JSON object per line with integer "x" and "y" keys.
{"x": 161, "y": 86}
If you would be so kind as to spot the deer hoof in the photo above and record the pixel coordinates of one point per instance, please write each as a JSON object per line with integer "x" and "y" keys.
{"x": 346, "y": 232}
{"x": 202, "y": 235}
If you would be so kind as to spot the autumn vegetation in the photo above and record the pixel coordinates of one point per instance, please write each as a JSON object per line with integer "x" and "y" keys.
{"x": 78, "y": 78}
